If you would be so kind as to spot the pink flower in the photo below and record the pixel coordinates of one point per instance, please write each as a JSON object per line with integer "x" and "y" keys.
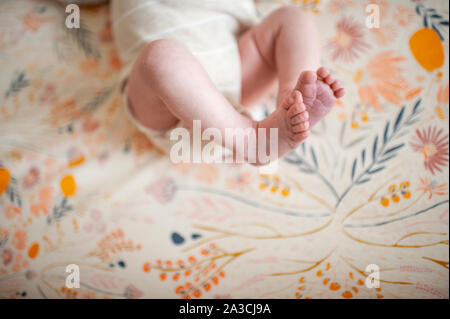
{"x": 7, "y": 256}
{"x": 433, "y": 145}
{"x": 348, "y": 42}
{"x": 32, "y": 178}
{"x": 163, "y": 189}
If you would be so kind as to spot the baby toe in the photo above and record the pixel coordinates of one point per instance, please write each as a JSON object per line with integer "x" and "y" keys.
{"x": 299, "y": 118}
{"x": 307, "y": 77}
{"x": 323, "y": 72}
{"x": 335, "y": 85}
{"x": 339, "y": 93}
{"x": 303, "y": 126}
{"x": 329, "y": 79}
{"x": 296, "y": 109}
{"x": 294, "y": 97}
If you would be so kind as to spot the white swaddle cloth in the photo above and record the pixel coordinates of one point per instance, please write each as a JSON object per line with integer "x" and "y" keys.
{"x": 207, "y": 28}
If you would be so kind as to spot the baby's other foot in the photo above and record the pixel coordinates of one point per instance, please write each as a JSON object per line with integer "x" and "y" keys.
{"x": 320, "y": 90}
{"x": 292, "y": 121}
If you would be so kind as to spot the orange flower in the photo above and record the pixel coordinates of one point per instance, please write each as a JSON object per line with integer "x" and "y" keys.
{"x": 64, "y": 111}
{"x": 45, "y": 200}
{"x": 404, "y": 15}
{"x": 442, "y": 96}
{"x": 19, "y": 239}
{"x": 432, "y": 187}
{"x": 68, "y": 185}
{"x": 5, "y": 178}
{"x": 11, "y": 211}
{"x": 32, "y": 21}
{"x": 383, "y": 77}
{"x": 33, "y": 251}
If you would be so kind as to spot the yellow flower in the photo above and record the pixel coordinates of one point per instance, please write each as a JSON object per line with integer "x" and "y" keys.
{"x": 68, "y": 185}
{"x": 5, "y": 177}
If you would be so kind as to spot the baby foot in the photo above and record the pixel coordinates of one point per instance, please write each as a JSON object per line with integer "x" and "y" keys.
{"x": 292, "y": 121}
{"x": 320, "y": 91}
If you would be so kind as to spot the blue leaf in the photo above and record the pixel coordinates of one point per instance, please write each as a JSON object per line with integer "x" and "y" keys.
{"x": 393, "y": 149}
{"x": 374, "y": 150}
{"x": 364, "y": 181}
{"x": 196, "y": 236}
{"x": 399, "y": 118}
{"x": 177, "y": 239}
{"x": 416, "y": 106}
{"x": 354, "y": 168}
{"x": 363, "y": 157}
{"x": 313, "y": 154}
{"x": 418, "y": 7}
{"x": 386, "y": 132}
{"x": 444, "y": 23}
{"x": 437, "y": 31}
{"x": 376, "y": 170}
{"x": 386, "y": 159}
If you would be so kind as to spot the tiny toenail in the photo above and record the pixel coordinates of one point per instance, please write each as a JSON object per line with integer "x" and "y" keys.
{"x": 292, "y": 99}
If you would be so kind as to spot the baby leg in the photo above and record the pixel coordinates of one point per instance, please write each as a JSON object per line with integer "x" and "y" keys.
{"x": 167, "y": 85}
{"x": 285, "y": 47}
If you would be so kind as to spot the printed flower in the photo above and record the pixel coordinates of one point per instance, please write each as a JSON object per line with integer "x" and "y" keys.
{"x": 141, "y": 143}
{"x": 404, "y": 15}
{"x": 5, "y": 178}
{"x": 68, "y": 186}
{"x": 75, "y": 157}
{"x": 43, "y": 203}
{"x": 19, "y": 263}
{"x": 395, "y": 192}
{"x": 442, "y": 96}
{"x": 12, "y": 211}
{"x": 3, "y": 233}
{"x": 441, "y": 109}
{"x": 239, "y": 182}
{"x": 64, "y": 111}
{"x": 19, "y": 239}
{"x": 7, "y": 256}
{"x": 432, "y": 188}
{"x": 33, "y": 21}
{"x": 384, "y": 35}
{"x": 348, "y": 42}
{"x": 163, "y": 189}
{"x": 434, "y": 147}
{"x": 32, "y": 178}
{"x": 383, "y": 77}
{"x": 131, "y": 292}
